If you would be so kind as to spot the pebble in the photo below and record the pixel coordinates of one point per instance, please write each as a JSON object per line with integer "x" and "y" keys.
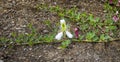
{"x": 12, "y": 22}
{"x": 5, "y": 28}
{"x": 30, "y": 49}
{"x": 26, "y": 33}
{"x": 18, "y": 28}
{"x": 45, "y": 31}
{"x": 1, "y": 61}
{"x": 83, "y": 9}
{"x": 1, "y": 8}
{"x": 22, "y": 57}
{"x": 55, "y": 3}
{"x": 105, "y": 11}
{"x": 23, "y": 26}
{"x": 32, "y": 55}
{"x": 40, "y": 56}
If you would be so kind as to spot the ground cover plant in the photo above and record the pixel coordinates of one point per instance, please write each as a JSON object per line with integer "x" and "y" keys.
{"x": 90, "y": 28}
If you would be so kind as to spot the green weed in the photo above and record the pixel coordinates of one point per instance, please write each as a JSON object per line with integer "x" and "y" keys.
{"x": 65, "y": 44}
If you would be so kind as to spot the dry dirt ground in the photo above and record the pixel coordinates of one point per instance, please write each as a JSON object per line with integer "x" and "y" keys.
{"x": 16, "y": 14}
{"x": 76, "y": 52}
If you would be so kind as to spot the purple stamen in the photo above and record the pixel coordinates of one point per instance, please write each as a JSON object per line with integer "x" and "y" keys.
{"x": 76, "y": 33}
{"x": 110, "y": 1}
{"x": 115, "y": 18}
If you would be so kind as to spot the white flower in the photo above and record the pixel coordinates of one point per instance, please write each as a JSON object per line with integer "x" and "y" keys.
{"x": 63, "y": 29}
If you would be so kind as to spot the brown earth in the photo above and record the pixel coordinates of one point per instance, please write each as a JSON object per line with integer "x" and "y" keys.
{"x": 76, "y": 52}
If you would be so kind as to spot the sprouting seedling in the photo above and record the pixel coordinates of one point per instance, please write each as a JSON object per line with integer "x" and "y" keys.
{"x": 63, "y": 29}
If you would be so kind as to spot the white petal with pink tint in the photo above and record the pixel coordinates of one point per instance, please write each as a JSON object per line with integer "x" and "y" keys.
{"x": 62, "y": 21}
{"x": 59, "y": 36}
{"x": 69, "y": 34}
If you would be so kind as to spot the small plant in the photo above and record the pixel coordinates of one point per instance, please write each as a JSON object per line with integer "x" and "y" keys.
{"x": 48, "y": 38}
{"x": 65, "y": 44}
{"x": 90, "y": 35}
{"x": 55, "y": 9}
{"x": 108, "y": 8}
{"x": 4, "y": 40}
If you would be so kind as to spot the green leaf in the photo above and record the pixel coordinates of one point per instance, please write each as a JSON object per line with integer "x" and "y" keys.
{"x": 112, "y": 27}
{"x": 102, "y": 37}
{"x": 30, "y": 43}
{"x": 61, "y": 14}
{"x": 90, "y": 35}
{"x": 108, "y": 22}
{"x": 65, "y": 43}
{"x": 95, "y": 38}
{"x": 78, "y": 16}
{"x": 13, "y": 34}
{"x": 97, "y": 19}
{"x": 81, "y": 37}
{"x": 107, "y": 37}
{"x": 84, "y": 27}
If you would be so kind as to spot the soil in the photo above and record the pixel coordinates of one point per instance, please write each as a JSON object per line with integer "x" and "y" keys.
{"x": 76, "y": 52}
{"x": 16, "y": 14}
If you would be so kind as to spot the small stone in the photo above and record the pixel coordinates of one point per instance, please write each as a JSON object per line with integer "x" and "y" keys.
{"x": 77, "y": 23}
{"x": 83, "y": 9}
{"x": 105, "y": 11}
{"x": 40, "y": 56}
{"x": 32, "y": 55}
{"x": 55, "y": 3}
{"x": 5, "y": 28}
{"x": 12, "y": 22}
{"x": 1, "y": 61}
{"x": 22, "y": 58}
{"x": 30, "y": 49}
{"x": 45, "y": 31}
{"x": 23, "y": 26}
{"x": 24, "y": 49}
{"x": 19, "y": 31}
{"x": 26, "y": 33}
{"x": 11, "y": 42}
{"x": 18, "y": 28}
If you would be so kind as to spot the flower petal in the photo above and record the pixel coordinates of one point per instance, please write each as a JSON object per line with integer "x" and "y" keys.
{"x": 59, "y": 36}
{"x": 110, "y": 1}
{"x": 76, "y": 32}
{"x": 69, "y": 34}
{"x": 62, "y": 21}
{"x": 115, "y": 18}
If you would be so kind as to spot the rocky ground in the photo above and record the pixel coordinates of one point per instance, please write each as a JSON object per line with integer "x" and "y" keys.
{"x": 76, "y": 52}
{"x": 16, "y": 14}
